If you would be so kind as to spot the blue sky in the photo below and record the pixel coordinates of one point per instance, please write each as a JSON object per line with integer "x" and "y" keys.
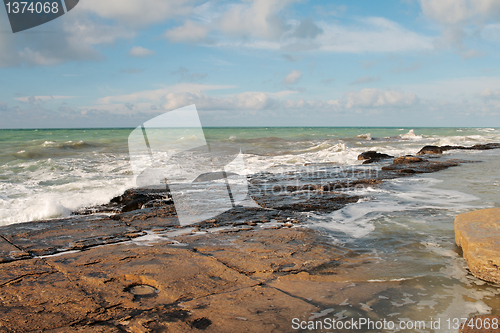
{"x": 115, "y": 63}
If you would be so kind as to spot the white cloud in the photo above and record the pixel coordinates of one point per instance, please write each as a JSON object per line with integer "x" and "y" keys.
{"x": 261, "y": 24}
{"x": 292, "y": 77}
{"x": 177, "y": 97}
{"x": 158, "y": 94}
{"x": 490, "y": 94}
{"x": 451, "y": 12}
{"x": 36, "y": 99}
{"x": 143, "y": 12}
{"x": 121, "y": 108}
{"x": 247, "y": 101}
{"x": 451, "y": 90}
{"x": 140, "y": 52}
{"x": 461, "y": 19}
{"x": 373, "y": 34}
{"x": 491, "y": 97}
{"x": 243, "y": 101}
{"x": 258, "y": 18}
{"x": 371, "y": 98}
{"x": 78, "y": 35}
{"x": 188, "y": 32}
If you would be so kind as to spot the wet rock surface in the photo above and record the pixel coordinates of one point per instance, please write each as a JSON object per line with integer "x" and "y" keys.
{"x": 373, "y": 156}
{"x": 430, "y": 150}
{"x": 478, "y": 234}
{"x": 414, "y": 165}
{"x": 440, "y": 149}
{"x": 224, "y": 283}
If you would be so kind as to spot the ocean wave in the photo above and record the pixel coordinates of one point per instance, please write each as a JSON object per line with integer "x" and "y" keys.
{"x": 366, "y": 136}
{"x": 410, "y": 136}
{"x": 44, "y": 189}
{"x": 51, "y": 149}
{"x": 67, "y": 145}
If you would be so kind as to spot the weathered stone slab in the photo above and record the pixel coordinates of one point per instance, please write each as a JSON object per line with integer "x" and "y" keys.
{"x": 34, "y": 297}
{"x": 333, "y": 293}
{"x": 478, "y": 234}
{"x": 255, "y": 309}
{"x": 269, "y": 251}
{"x": 110, "y": 273}
{"x": 50, "y": 237}
{"x": 87, "y": 329}
{"x": 9, "y": 252}
{"x": 15, "y": 271}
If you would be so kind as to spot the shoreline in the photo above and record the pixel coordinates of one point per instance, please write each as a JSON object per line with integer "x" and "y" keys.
{"x": 253, "y": 268}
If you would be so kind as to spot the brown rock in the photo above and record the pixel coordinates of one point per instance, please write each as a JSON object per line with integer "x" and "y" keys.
{"x": 430, "y": 150}
{"x": 270, "y": 251}
{"x": 46, "y": 238}
{"x": 110, "y": 274}
{"x": 9, "y": 252}
{"x": 408, "y": 159}
{"x": 478, "y": 234}
{"x": 486, "y": 146}
{"x": 35, "y": 297}
{"x": 255, "y": 309}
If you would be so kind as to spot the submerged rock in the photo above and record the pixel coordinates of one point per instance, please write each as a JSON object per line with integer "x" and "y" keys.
{"x": 439, "y": 150}
{"x": 486, "y": 146}
{"x": 478, "y": 234}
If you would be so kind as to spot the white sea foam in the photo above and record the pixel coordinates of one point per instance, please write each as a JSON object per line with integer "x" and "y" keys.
{"x": 52, "y": 189}
{"x": 399, "y": 195}
{"x": 410, "y": 135}
{"x": 366, "y": 136}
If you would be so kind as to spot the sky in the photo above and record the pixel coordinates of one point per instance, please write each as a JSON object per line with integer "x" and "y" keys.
{"x": 119, "y": 63}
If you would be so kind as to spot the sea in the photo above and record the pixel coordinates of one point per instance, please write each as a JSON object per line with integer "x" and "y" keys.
{"x": 405, "y": 225}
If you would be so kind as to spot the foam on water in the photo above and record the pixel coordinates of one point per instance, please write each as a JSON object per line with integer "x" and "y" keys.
{"x": 50, "y": 188}
{"x": 45, "y": 174}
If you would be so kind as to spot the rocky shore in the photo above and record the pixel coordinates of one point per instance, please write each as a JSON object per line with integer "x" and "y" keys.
{"x": 478, "y": 234}
{"x": 128, "y": 266}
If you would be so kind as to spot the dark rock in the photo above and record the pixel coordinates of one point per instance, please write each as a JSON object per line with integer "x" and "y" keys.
{"x": 440, "y": 150}
{"x": 201, "y": 323}
{"x": 131, "y": 200}
{"x": 486, "y": 146}
{"x": 448, "y": 147}
{"x": 75, "y": 233}
{"x": 373, "y": 155}
{"x": 430, "y": 150}
{"x": 423, "y": 166}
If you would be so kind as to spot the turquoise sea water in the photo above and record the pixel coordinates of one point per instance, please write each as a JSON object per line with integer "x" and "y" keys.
{"x": 48, "y": 173}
